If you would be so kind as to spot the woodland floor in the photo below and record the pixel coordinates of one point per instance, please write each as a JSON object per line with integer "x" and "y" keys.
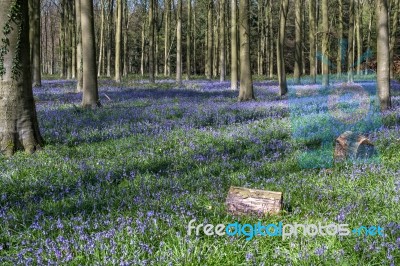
{"x": 119, "y": 185}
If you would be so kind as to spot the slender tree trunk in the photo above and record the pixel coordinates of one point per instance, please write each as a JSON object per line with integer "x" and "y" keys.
{"x": 118, "y": 42}
{"x": 272, "y": 41}
{"x": 325, "y": 44}
{"x": 215, "y": 68}
{"x": 222, "y": 48}
{"x": 350, "y": 48}
{"x": 34, "y": 36}
{"x": 110, "y": 34}
{"x": 246, "y": 82}
{"x": 63, "y": 67}
{"x": 167, "y": 8}
{"x": 369, "y": 42}
{"x": 234, "y": 52}
{"x": 298, "y": 42}
{"x": 188, "y": 39}
{"x": 311, "y": 37}
{"x": 383, "y": 54}
{"x": 101, "y": 55}
{"x": 18, "y": 120}
{"x": 90, "y": 90}
{"x": 209, "y": 63}
{"x": 73, "y": 39}
{"x": 126, "y": 29}
{"x": 359, "y": 36}
{"x": 151, "y": 41}
{"x": 79, "y": 45}
{"x": 280, "y": 47}
{"x": 393, "y": 34}
{"x": 340, "y": 56}
{"x": 179, "y": 44}
{"x": 143, "y": 48}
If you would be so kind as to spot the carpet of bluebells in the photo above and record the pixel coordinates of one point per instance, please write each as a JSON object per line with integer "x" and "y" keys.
{"x": 118, "y": 185}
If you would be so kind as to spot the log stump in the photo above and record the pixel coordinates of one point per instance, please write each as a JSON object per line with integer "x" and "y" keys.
{"x": 353, "y": 146}
{"x": 246, "y": 201}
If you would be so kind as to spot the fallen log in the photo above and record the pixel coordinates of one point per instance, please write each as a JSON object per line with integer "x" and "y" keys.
{"x": 246, "y": 201}
{"x": 350, "y": 145}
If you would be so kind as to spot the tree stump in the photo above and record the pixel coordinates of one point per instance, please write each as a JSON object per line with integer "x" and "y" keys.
{"x": 253, "y": 201}
{"x": 352, "y": 146}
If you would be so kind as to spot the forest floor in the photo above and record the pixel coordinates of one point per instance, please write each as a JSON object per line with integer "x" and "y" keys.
{"x": 119, "y": 185}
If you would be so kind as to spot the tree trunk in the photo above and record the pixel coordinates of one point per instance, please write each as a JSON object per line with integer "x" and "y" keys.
{"x": 246, "y": 82}
{"x": 340, "y": 56}
{"x": 110, "y": 34}
{"x": 311, "y": 36}
{"x": 280, "y": 47}
{"x": 126, "y": 29}
{"x": 350, "y": 50}
{"x": 369, "y": 42}
{"x": 325, "y": 44}
{"x": 209, "y": 63}
{"x": 272, "y": 41}
{"x": 298, "y": 43}
{"x": 90, "y": 90}
{"x": 151, "y": 41}
{"x": 167, "y": 22}
{"x": 79, "y": 45}
{"x": 188, "y": 39}
{"x": 393, "y": 34}
{"x": 359, "y": 36}
{"x": 383, "y": 55}
{"x": 179, "y": 44}
{"x": 34, "y": 37}
{"x": 18, "y": 120}
{"x": 118, "y": 42}
{"x": 234, "y": 59}
{"x": 222, "y": 63}
{"x": 101, "y": 49}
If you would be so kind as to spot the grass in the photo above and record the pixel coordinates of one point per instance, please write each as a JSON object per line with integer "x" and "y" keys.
{"x": 119, "y": 185}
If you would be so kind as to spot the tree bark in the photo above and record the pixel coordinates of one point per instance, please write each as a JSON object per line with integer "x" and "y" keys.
{"x": 298, "y": 42}
{"x": 78, "y": 45}
{"x": 101, "y": 48}
{"x": 234, "y": 59}
{"x": 167, "y": 10}
{"x": 209, "y": 63}
{"x": 325, "y": 44}
{"x": 179, "y": 44}
{"x": 151, "y": 41}
{"x": 246, "y": 82}
{"x": 311, "y": 37}
{"x": 90, "y": 90}
{"x": 383, "y": 54}
{"x": 350, "y": 48}
{"x": 359, "y": 36}
{"x": 188, "y": 39}
{"x": 340, "y": 56}
{"x": 393, "y": 34}
{"x": 280, "y": 47}
{"x": 118, "y": 42}
{"x": 34, "y": 37}
{"x": 18, "y": 120}
{"x": 222, "y": 63}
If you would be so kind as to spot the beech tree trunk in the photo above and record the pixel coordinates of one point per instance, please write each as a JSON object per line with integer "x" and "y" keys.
{"x": 383, "y": 55}
{"x": 234, "y": 59}
{"x": 280, "y": 47}
{"x": 188, "y": 39}
{"x": 34, "y": 37}
{"x": 298, "y": 43}
{"x": 118, "y": 42}
{"x": 325, "y": 44}
{"x": 151, "y": 41}
{"x": 18, "y": 120}
{"x": 341, "y": 41}
{"x": 246, "y": 81}
{"x": 311, "y": 36}
{"x": 90, "y": 90}
{"x": 210, "y": 22}
{"x": 78, "y": 45}
{"x": 350, "y": 48}
{"x": 179, "y": 44}
{"x": 222, "y": 63}
{"x": 393, "y": 34}
{"x": 167, "y": 21}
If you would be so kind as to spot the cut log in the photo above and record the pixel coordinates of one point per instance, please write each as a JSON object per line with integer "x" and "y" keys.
{"x": 352, "y": 146}
{"x": 246, "y": 201}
